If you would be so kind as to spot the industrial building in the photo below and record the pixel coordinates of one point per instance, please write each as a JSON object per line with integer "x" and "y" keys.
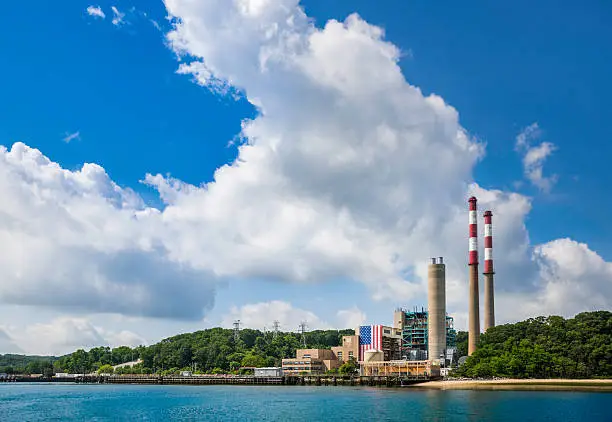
{"x": 419, "y": 342}
{"x": 268, "y": 372}
{"x": 386, "y": 339}
{"x": 415, "y": 336}
{"x": 399, "y": 368}
{"x": 310, "y": 362}
{"x": 349, "y": 349}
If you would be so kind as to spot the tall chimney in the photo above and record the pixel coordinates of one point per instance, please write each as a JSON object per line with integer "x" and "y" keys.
{"x": 436, "y": 310}
{"x": 489, "y": 288}
{"x": 474, "y": 311}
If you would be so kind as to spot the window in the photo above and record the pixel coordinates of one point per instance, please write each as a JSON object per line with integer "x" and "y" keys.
{"x": 340, "y": 355}
{"x": 387, "y": 331}
{"x": 350, "y": 354}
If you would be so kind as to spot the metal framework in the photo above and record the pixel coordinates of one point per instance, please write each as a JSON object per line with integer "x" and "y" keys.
{"x": 399, "y": 368}
{"x": 415, "y": 335}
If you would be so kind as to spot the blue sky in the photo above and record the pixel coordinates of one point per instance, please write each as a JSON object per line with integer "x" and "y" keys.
{"x": 502, "y": 66}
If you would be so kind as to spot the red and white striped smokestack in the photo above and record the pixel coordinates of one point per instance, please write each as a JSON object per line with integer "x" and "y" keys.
{"x": 474, "y": 306}
{"x": 488, "y": 243}
{"x": 473, "y": 243}
{"x": 489, "y": 292}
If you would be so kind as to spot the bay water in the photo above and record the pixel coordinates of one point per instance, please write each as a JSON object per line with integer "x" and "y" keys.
{"x": 77, "y": 402}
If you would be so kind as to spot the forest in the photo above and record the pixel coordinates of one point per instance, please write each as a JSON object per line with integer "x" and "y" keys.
{"x": 22, "y": 364}
{"x": 542, "y": 347}
{"x": 545, "y": 347}
{"x": 209, "y": 351}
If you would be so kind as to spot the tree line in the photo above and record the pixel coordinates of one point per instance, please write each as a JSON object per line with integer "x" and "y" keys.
{"x": 542, "y": 347}
{"x": 545, "y": 347}
{"x": 213, "y": 350}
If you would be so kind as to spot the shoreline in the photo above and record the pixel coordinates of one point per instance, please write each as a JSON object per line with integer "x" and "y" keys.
{"x": 520, "y": 384}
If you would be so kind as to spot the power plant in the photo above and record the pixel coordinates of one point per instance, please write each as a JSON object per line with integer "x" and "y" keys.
{"x": 474, "y": 306}
{"x": 489, "y": 300}
{"x": 420, "y": 342}
{"x": 436, "y": 304}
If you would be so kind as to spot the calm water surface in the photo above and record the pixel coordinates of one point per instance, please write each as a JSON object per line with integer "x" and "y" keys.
{"x": 35, "y": 402}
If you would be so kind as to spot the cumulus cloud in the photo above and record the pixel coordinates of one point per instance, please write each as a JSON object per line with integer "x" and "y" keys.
{"x": 262, "y": 315}
{"x": 96, "y": 11}
{"x": 76, "y": 240}
{"x": 351, "y": 318}
{"x": 118, "y": 17}
{"x": 65, "y": 334}
{"x": 535, "y": 156}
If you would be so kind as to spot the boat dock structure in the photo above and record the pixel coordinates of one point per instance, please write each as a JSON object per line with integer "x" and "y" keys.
{"x": 315, "y": 380}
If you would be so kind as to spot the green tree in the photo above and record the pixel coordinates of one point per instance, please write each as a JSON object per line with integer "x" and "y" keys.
{"x": 349, "y": 367}
{"x": 545, "y": 347}
{"x": 106, "y": 369}
{"x": 253, "y": 360}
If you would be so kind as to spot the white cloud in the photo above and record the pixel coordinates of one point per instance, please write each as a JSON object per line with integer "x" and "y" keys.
{"x": 72, "y": 136}
{"x": 7, "y": 343}
{"x": 66, "y": 334}
{"x": 118, "y": 17}
{"x": 262, "y": 315}
{"x": 77, "y": 240}
{"x": 572, "y": 279}
{"x": 350, "y": 318}
{"x": 155, "y": 24}
{"x": 535, "y": 156}
{"x": 96, "y": 11}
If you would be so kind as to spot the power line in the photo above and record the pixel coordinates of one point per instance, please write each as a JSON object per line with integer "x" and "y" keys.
{"x": 236, "y": 330}
{"x": 303, "y": 331}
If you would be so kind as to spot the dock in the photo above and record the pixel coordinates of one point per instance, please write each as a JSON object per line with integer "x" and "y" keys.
{"x": 313, "y": 380}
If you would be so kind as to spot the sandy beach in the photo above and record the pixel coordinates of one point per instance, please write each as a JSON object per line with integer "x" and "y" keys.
{"x": 521, "y": 384}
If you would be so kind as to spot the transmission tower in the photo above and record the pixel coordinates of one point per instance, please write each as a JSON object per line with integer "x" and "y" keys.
{"x": 237, "y": 330}
{"x": 276, "y": 328}
{"x": 303, "y": 332}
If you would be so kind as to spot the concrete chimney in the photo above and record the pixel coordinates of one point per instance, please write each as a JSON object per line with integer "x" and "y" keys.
{"x": 474, "y": 306}
{"x": 436, "y": 312}
{"x": 489, "y": 288}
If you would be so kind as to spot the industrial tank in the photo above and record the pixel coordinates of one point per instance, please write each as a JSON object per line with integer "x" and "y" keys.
{"x": 373, "y": 355}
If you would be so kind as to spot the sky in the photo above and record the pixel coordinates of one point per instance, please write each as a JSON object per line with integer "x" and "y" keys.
{"x": 169, "y": 166}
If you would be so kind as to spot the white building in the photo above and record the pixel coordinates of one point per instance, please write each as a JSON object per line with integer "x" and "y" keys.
{"x": 269, "y": 372}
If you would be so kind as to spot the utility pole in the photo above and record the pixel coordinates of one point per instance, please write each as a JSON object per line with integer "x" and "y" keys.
{"x": 237, "y": 330}
{"x": 303, "y": 331}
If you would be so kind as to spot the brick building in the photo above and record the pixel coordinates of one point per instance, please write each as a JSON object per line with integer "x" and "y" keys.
{"x": 310, "y": 362}
{"x": 349, "y": 349}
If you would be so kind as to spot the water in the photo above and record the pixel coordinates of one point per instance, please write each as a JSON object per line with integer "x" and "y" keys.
{"x": 35, "y": 402}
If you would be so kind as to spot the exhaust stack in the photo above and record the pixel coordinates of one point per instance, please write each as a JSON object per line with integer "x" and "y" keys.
{"x": 474, "y": 306}
{"x": 489, "y": 287}
{"x": 436, "y": 312}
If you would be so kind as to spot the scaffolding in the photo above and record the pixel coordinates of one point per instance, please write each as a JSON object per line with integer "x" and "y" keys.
{"x": 415, "y": 334}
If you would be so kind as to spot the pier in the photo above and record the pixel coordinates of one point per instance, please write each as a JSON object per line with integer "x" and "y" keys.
{"x": 312, "y": 380}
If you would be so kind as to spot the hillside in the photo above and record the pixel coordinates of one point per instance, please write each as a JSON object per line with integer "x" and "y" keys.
{"x": 212, "y": 350}
{"x": 545, "y": 347}
{"x": 11, "y": 363}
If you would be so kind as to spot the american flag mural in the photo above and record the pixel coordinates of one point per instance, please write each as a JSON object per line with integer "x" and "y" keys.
{"x": 370, "y": 337}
